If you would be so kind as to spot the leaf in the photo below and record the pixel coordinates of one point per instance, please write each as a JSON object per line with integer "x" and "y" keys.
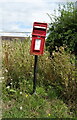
{"x": 12, "y": 90}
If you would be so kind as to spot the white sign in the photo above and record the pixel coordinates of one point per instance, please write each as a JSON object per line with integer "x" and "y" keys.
{"x": 37, "y": 44}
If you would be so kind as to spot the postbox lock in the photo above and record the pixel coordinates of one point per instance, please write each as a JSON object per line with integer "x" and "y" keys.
{"x": 38, "y": 36}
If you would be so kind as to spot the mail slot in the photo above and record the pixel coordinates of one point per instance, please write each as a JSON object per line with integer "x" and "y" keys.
{"x": 38, "y": 38}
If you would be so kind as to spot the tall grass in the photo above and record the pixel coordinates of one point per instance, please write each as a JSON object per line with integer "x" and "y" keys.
{"x": 58, "y": 71}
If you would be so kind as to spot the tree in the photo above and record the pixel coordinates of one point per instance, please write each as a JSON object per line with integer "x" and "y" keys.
{"x": 63, "y": 31}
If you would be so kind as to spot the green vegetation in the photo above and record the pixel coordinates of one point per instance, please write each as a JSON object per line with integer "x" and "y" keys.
{"x": 55, "y": 83}
{"x": 25, "y": 105}
{"x": 56, "y": 78}
{"x": 62, "y": 31}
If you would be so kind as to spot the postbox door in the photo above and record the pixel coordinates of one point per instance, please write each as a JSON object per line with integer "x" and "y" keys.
{"x": 37, "y": 45}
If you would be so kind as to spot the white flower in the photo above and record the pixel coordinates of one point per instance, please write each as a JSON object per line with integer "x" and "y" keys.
{"x": 53, "y": 54}
{"x": 8, "y": 87}
{"x": 11, "y": 79}
{"x": 20, "y": 92}
{"x": 21, "y": 108}
{"x": 56, "y": 47}
{"x": 11, "y": 83}
{"x": 6, "y": 70}
{"x": 1, "y": 78}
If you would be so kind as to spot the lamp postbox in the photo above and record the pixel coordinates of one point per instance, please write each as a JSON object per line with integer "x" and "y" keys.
{"x": 37, "y": 46}
{"x": 38, "y": 38}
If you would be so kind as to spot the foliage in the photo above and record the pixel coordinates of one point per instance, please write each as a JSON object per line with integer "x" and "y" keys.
{"x": 18, "y": 62}
{"x": 62, "y": 31}
{"x": 59, "y": 72}
{"x": 55, "y": 78}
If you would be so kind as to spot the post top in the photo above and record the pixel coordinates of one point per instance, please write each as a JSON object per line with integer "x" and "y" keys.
{"x": 40, "y": 24}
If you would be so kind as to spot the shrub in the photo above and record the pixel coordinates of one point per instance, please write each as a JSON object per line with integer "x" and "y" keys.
{"x": 59, "y": 72}
{"x": 63, "y": 30}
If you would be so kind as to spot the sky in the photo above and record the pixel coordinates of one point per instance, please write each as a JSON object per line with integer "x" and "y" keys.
{"x": 19, "y": 15}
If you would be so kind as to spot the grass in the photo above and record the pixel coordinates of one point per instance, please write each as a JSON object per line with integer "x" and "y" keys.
{"x": 48, "y": 102}
{"x": 43, "y": 104}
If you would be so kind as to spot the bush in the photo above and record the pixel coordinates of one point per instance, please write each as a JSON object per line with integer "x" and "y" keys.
{"x": 59, "y": 72}
{"x": 63, "y": 30}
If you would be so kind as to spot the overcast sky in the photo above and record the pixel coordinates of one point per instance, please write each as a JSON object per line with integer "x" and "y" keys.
{"x": 19, "y": 15}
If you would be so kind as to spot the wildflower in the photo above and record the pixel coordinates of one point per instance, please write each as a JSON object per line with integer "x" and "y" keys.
{"x": 53, "y": 54}
{"x": 21, "y": 108}
{"x": 47, "y": 58}
{"x": 56, "y": 47}
{"x": 6, "y": 70}
{"x": 1, "y": 78}
{"x": 20, "y": 92}
{"x": 49, "y": 114}
{"x": 26, "y": 95}
{"x": 8, "y": 87}
{"x": 11, "y": 83}
{"x": 73, "y": 78}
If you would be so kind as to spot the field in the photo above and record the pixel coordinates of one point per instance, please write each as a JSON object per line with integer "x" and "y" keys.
{"x": 56, "y": 83}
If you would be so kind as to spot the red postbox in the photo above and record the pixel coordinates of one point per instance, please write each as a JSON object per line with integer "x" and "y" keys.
{"x": 38, "y": 38}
